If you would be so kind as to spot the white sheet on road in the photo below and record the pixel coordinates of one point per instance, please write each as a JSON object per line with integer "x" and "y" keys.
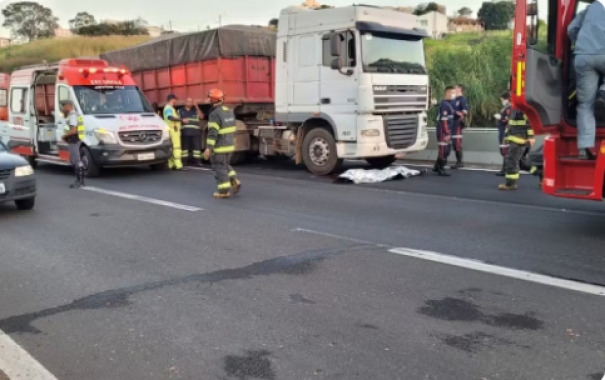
{"x": 358, "y": 176}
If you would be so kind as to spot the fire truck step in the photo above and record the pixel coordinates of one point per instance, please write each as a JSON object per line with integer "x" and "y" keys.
{"x": 573, "y": 192}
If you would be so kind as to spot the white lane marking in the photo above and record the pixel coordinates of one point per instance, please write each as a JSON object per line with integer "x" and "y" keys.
{"x": 501, "y": 271}
{"x": 16, "y": 363}
{"x": 196, "y": 168}
{"x": 142, "y": 199}
{"x": 476, "y": 265}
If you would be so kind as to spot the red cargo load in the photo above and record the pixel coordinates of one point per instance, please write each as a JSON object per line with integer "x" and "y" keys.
{"x": 240, "y": 60}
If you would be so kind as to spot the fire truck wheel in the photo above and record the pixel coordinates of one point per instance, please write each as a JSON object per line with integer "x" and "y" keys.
{"x": 91, "y": 168}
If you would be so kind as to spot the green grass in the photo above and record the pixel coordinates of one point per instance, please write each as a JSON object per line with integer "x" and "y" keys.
{"x": 52, "y": 50}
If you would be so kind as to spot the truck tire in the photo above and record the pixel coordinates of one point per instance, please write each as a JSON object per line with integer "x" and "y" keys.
{"x": 91, "y": 168}
{"x": 319, "y": 152}
{"x": 25, "y": 204}
{"x": 381, "y": 162}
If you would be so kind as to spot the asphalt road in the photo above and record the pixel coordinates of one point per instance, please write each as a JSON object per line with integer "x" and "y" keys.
{"x": 298, "y": 278}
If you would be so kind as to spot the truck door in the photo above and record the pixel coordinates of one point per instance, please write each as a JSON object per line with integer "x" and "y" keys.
{"x": 339, "y": 88}
{"x": 306, "y": 74}
{"x": 537, "y": 69}
{"x": 19, "y": 114}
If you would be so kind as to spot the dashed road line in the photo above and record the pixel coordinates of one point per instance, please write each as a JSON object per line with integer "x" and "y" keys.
{"x": 142, "y": 199}
{"x": 16, "y": 363}
{"x": 477, "y": 265}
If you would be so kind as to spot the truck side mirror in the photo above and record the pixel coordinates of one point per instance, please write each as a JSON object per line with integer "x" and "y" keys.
{"x": 335, "y": 45}
{"x": 336, "y": 64}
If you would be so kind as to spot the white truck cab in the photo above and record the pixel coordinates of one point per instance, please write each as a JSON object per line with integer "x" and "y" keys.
{"x": 121, "y": 128}
{"x": 355, "y": 79}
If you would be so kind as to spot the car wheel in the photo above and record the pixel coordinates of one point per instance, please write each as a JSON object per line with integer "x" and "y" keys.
{"x": 25, "y": 204}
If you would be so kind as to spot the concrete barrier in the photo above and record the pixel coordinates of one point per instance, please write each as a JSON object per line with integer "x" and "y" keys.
{"x": 480, "y": 146}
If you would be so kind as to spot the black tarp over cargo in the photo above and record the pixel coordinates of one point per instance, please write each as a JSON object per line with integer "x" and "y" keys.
{"x": 177, "y": 49}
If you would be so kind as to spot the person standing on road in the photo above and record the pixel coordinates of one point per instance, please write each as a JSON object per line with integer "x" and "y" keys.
{"x": 520, "y": 137}
{"x": 459, "y": 123}
{"x": 587, "y": 33}
{"x": 445, "y": 118}
{"x": 174, "y": 124}
{"x": 190, "y": 116}
{"x": 221, "y": 144}
{"x": 73, "y": 136}
{"x": 503, "y": 118}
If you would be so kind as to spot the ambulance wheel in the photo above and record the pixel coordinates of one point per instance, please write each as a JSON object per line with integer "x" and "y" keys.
{"x": 91, "y": 168}
{"x": 319, "y": 152}
{"x": 381, "y": 162}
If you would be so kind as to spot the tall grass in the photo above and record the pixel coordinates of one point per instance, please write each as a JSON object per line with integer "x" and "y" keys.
{"x": 479, "y": 61}
{"x": 53, "y": 50}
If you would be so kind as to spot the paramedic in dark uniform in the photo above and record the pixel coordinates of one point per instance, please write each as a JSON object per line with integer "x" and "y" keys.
{"x": 502, "y": 118}
{"x": 221, "y": 144}
{"x": 190, "y": 133}
{"x": 461, "y": 108}
{"x": 445, "y": 118}
{"x": 73, "y": 136}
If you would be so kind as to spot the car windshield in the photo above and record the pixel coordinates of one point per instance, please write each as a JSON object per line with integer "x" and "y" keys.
{"x": 102, "y": 100}
{"x": 392, "y": 53}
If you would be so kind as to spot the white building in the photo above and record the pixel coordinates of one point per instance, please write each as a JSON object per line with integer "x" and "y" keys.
{"x": 435, "y": 23}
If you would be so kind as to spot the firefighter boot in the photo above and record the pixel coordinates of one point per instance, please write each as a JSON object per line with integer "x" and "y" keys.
{"x": 509, "y": 185}
{"x": 219, "y": 195}
{"x": 236, "y": 186}
{"x": 459, "y": 163}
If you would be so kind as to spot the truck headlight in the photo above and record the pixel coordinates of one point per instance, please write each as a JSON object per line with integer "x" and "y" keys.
{"x": 24, "y": 171}
{"x": 370, "y": 133}
{"x": 105, "y": 136}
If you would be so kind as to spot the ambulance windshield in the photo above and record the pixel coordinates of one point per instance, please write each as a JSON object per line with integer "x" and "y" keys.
{"x": 392, "y": 53}
{"x": 103, "y": 100}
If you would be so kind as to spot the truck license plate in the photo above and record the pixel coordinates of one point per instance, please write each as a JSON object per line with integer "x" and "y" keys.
{"x": 2, "y": 188}
{"x": 146, "y": 156}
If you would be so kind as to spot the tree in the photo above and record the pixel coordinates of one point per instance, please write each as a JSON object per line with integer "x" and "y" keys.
{"x": 274, "y": 22}
{"x": 29, "y": 20}
{"x": 423, "y": 9}
{"x": 465, "y": 12}
{"x": 496, "y": 16}
{"x": 81, "y": 20}
{"x": 123, "y": 28}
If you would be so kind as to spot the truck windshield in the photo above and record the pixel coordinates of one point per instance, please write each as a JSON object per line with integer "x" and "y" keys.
{"x": 392, "y": 53}
{"x": 102, "y": 100}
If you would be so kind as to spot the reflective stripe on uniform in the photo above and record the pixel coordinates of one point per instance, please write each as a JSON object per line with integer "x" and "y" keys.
{"x": 504, "y": 146}
{"x": 516, "y": 140}
{"x": 512, "y": 176}
{"x": 197, "y": 154}
{"x": 232, "y": 173}
{"x": 443, "y": 144}
{"x": 210, "y": 142}
{"x": 517, "y": 123}
{"x": 457, "y": 136}
{"x": 224, "y": 149}
{"x": 226, "y": 131}
{"x": 214, "y": 125}
{"x": 224, "y": 185}
{"x": 533, "y": 170}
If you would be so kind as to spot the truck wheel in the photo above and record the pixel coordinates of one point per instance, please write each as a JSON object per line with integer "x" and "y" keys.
{"x": 91, "y": 169}
{"x": 25, "y": 204}
{"x": 319, "y": 152}
{"x": 381, "y": 162}
{"x": 238, "y": 158}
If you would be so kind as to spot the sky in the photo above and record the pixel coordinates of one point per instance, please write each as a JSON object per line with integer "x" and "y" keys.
{"x": 189, "y": 15}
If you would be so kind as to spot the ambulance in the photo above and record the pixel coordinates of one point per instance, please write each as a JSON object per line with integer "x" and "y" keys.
{"x": 121, "y": 128}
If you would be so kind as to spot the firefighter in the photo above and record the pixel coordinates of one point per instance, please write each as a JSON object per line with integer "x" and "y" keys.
{"x": 445, "y": 118}
{"x": 502, "y": 118}
{"x": 73, "y": 136}
{"x": 174, "y": 124}
{"x": 459, "y": 123}
{"x": 190, "y": 116}
{"x": 520, "y": 137}
{"x": 220, "y": 144}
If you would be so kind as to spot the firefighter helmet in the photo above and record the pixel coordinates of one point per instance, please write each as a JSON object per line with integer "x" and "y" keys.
{"x": 216, "y": 95}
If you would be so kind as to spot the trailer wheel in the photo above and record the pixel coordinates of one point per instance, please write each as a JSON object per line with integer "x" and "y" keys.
{"x": 319, "y": 152}
{"x": 91, "y": 168}
{"x": 381, "y": 162}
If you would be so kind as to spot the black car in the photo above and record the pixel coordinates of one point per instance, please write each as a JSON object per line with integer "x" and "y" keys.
{"x": 17, "y": 181}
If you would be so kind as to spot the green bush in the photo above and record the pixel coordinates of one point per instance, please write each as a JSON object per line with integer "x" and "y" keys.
{"x": 479, "y": 61}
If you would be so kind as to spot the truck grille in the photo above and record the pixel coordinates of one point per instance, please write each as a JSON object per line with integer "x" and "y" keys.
{"x": 4, "y": 174}
{"x": 140, "y": 137}
{"x": 401, "y": 130}
{"x": 400, "y": 98}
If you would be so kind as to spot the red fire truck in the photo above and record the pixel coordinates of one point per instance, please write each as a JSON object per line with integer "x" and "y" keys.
{"x": 544, "y": 88}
